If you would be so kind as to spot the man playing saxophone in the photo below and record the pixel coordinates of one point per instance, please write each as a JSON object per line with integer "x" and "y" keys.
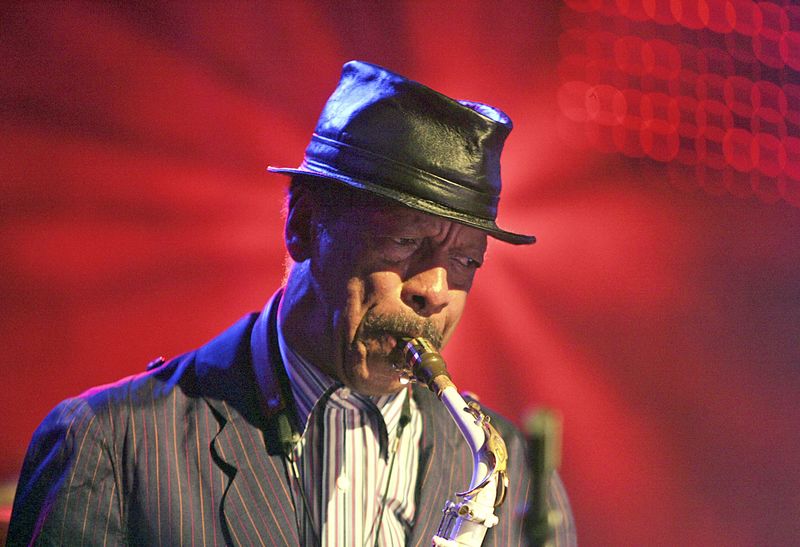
{"x": 297, "y": 426}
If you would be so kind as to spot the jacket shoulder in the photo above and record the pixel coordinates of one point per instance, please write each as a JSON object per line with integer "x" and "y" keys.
{"x": 183, "y": 376}
{"x": 81, "y": 454}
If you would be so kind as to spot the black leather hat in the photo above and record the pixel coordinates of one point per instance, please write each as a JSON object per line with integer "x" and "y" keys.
{"x": 394, "y": 137}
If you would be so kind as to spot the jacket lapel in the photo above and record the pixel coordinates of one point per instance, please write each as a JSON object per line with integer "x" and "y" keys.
{"x": 256, "y": 507}
{"x": 257, "y": 503}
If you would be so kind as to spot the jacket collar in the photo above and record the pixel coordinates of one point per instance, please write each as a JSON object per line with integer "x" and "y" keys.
{"x": 256, "y": 503}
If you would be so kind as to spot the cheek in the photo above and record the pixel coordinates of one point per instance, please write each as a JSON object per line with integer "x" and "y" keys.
{"x": 454, "y": 311}
{"x": 379, "y": 289}
{"x": 334, "y": 266}
{"x": 376, "y": 289}
{"x": 354, "y": 307}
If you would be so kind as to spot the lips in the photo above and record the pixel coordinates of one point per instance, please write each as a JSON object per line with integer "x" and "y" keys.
{"x": 382, "y": 344}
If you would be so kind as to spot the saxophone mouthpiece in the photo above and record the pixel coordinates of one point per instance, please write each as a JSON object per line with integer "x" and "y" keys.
{"x": 426, "y": 364}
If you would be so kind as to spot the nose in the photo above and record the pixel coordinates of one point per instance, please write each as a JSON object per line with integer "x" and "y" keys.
{"x": 427, "y": 292}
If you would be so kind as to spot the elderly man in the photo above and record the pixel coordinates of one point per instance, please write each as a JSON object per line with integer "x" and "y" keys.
{"x": 295, "y": 427}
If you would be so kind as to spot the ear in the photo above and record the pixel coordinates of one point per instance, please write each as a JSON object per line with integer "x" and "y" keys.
{"x": 299, "y": 232}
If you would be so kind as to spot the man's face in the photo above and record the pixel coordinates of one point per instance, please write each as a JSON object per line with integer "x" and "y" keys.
{"x": 385, "y": 272}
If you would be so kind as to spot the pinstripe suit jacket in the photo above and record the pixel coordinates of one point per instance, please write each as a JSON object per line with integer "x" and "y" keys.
{"x": 185, "y": 455}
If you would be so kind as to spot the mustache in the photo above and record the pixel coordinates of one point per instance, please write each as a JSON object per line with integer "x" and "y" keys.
{"x": 399, "y": 326}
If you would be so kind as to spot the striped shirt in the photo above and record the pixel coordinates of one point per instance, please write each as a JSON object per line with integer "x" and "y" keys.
{"x": 349, "y": 457}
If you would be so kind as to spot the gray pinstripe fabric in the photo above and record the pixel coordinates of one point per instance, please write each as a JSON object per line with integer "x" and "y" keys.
{"x": 184, "y": 455}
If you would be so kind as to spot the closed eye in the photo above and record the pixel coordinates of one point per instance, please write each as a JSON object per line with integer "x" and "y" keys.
{"x": 404, "y": 241}
{"x": 467, "y": 262}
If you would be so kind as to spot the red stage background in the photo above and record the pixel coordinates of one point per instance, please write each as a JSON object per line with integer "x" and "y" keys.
{"x": 659, "y": 311}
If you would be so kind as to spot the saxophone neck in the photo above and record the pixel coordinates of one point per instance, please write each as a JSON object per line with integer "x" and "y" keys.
{"x": 466, "y": 520}
{"x": 424, "y": 364}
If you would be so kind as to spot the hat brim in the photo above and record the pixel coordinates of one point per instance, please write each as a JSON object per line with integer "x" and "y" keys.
{"x": 424, "y": 205}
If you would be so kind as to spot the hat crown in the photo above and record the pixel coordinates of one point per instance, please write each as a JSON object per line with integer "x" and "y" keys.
{"x": 377, "y": 110}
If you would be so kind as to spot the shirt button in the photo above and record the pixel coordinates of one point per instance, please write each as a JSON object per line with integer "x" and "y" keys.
{"x": 343, "y": 483}
{"x": 344, "y": 393}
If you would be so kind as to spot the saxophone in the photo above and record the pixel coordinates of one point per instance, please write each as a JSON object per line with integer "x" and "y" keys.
{"x": 465, "y": 520}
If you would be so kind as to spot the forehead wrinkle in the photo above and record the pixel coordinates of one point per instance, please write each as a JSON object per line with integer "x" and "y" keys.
{"x": 396, "y": 218}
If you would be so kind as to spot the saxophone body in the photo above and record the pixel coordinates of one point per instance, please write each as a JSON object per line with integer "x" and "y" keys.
{"x": 470, "y": 514}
